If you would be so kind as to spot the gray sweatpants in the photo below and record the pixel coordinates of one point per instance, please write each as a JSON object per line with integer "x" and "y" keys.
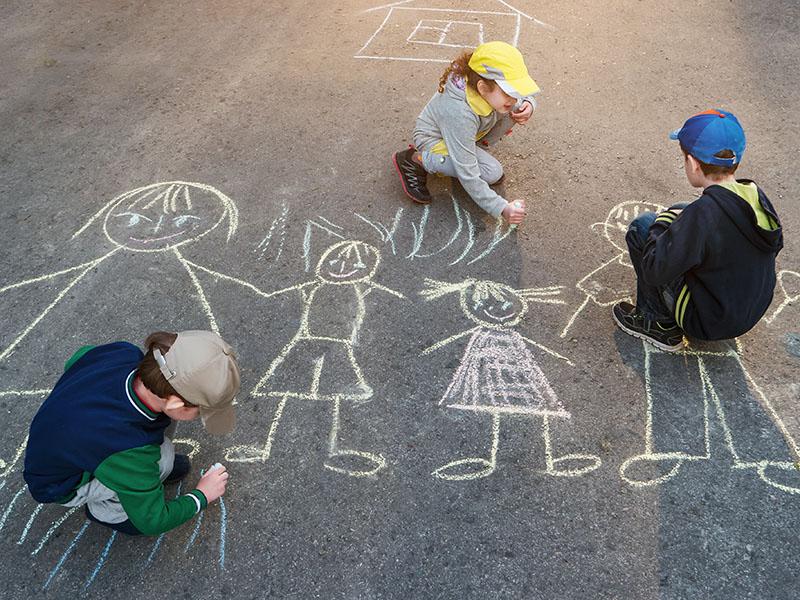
{"x": 104, "y": 503}
{"x": 490, "y": 167}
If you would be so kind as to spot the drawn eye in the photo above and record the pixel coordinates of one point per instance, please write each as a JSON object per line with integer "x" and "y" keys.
{"x": 333, "y": 261}
{"x": 183, "y": 220}
{"x": 359, "y": 265}
{"x": 506, "y": 305}
{"x": 134, "y": 218}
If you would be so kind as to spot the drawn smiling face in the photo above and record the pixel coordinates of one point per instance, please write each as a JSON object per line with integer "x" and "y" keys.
{"x": 163, "y": 216}
{"x": 348, "y": 262}
{"x": 493, "y": 304}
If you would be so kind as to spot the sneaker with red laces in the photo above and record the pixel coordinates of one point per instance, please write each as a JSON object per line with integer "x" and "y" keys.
{"x": 664, "y": 335}
{"x": 413, "y": 176}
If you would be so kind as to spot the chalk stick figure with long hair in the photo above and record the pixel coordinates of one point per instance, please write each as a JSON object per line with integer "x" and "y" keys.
{"x": 498, "y": 373}
{"x": 318, "y": 363}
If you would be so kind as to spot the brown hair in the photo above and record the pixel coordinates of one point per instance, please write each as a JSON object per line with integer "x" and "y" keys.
{"x": 460, "y": 66}
{"x": 715, "y": 171}
{"x": 149, "y": 372}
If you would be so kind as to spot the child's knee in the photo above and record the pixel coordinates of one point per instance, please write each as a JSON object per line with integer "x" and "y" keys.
{"x": 639, "y": 229}
{"x": 493, "y": 173}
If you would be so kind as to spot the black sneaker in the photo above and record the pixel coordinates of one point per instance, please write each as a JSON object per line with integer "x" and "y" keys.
{"x": 180, "y": 469}
{"x": 666, "y": 336}
{"x": 125, "y": 527}
{"x": 413, "y": 176}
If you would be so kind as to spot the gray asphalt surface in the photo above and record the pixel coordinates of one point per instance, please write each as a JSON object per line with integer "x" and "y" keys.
{"x": 266, "y": 103}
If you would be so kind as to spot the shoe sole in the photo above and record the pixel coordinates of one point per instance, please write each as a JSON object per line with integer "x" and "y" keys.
{"x": 403, "y": 182}
{"x": 646, "y": 338}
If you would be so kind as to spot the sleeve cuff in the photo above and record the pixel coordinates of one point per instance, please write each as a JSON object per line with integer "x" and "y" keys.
{"x": 199, "y": 499}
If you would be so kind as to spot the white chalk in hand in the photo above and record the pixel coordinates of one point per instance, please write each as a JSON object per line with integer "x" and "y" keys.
{"x": 214, "y": 466}
{"x": 517, "y": 204}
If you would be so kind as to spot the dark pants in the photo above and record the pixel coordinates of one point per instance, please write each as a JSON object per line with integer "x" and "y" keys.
{"x": 655, "y": 302}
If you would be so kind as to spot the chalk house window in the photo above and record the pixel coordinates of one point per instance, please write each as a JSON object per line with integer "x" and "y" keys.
{"x": 451, "y": 34}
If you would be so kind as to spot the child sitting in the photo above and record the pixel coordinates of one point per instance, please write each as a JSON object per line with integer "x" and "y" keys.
{"x": 481, "y": 96}
{"x": 98, "y": 440}
{"x": 706, "y": 268}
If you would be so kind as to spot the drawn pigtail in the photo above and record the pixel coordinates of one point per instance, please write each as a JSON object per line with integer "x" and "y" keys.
{"x": 436, "y": 289}
{"x": 542, "y": 295}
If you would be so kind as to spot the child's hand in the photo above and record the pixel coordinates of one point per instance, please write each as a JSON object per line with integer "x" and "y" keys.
{"x": 213, "y": 483}
{"x": 521, "y": 116}
{"x": 514, "y": 212}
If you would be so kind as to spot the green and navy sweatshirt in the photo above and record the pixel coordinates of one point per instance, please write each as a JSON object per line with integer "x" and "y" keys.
{"x": 724, "y": 246}
{"x": 92, "y": 425}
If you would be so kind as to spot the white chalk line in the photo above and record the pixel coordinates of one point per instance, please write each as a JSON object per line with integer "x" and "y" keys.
{"x": 377, "y": 31}
{"x": 201, "y": 295}
{"x": 52, "y": 530}
{"x": 7, "y": 468}
{"x": 470, "y": 240}
{"x": 10, "y": 507}
{"x": 709, "y": 390}
{"x": 419, "y": 232}
{"x": 456, "y": 232}
{"x": 58, "y": 298}
{"x": 488, "y": 465}
{"x": 496, "y": 239}
{"x": 28, "y": 525}
{"x": 387, "y": 6}
{"x": 788, "y": 300}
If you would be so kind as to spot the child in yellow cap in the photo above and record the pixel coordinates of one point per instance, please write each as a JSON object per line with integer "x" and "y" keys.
{"x": 481, "y": 96}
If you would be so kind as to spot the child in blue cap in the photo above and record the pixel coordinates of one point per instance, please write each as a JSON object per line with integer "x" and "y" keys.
{"x": 707, "y": 268}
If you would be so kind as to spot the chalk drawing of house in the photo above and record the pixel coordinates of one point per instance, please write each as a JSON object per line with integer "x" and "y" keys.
{"x": 431, "y": 33}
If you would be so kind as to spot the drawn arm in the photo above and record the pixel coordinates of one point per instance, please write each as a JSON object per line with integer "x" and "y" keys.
{"x": 249, "y": 286}
{"x": 546, "y": 349}
{"x": 383, "y": 289}
{"x": 446, "y": 341}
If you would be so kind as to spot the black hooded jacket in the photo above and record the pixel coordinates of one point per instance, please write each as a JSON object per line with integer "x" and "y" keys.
{"x": 727, "y": 261}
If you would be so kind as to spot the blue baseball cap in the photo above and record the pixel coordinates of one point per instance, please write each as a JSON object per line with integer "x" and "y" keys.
{"x": 710, "y": 132}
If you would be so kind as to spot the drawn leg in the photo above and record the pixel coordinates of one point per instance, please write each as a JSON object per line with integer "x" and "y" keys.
{"x": 568, "y": 465}
{"x": 575, "y": 316}
{"x": 676, "y": 418}
{"x": 247, "y": 453}
{"x": 756, "y": 437}
{"x": 374, "y": 462}
{"x": 465, "y": 468}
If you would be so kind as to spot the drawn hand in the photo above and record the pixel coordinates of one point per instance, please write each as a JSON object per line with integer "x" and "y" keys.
{"x": 521, "y": 116}
{"x": 213, "y": 483}
{"x": 514, "y": 212}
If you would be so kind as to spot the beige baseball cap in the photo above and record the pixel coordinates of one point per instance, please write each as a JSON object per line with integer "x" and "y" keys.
{"x": 202, "y": 368}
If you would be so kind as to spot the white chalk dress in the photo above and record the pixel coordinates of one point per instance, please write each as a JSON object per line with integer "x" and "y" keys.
{"x": 498, "y": 374}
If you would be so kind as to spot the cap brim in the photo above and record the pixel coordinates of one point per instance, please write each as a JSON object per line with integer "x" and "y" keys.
{"x": 518, "y": 88}
{"x": 218, "y": 421}
{"x": 673, "y": 135}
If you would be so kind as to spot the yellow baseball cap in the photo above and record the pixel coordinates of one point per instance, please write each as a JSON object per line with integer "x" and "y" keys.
{"x": 503, "y": 63}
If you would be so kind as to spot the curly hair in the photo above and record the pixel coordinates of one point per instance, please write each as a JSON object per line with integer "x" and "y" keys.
{"x": 460, "y": 66}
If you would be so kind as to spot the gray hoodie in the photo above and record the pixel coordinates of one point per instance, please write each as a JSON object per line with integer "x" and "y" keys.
{"x": 449, "y": 117}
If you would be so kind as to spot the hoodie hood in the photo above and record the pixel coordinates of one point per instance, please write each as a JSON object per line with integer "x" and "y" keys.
{"x": 744, "y": 218}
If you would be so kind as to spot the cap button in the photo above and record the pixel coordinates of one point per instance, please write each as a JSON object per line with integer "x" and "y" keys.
{"x": 721, "y": 116}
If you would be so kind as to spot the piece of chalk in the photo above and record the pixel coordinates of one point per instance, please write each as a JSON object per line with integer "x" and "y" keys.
{"x": 214, "y": 466}
{"x": 517, "y": 204}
